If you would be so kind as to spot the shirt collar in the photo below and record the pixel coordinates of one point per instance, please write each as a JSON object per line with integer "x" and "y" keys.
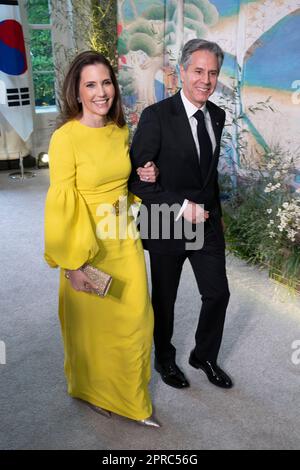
{"x": 189, "y": 107}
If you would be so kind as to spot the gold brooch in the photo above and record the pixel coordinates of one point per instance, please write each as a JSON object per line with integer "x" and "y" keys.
{"x": 116, "y": 206}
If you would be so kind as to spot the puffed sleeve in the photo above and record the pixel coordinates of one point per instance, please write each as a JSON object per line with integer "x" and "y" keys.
{"x": 70, "y": 240}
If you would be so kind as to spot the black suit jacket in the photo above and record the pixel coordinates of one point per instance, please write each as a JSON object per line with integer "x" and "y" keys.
{"x": 164, "y": 136}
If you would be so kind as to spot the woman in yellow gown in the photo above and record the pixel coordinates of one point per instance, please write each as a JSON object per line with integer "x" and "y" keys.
{"x": 107, "y": 341}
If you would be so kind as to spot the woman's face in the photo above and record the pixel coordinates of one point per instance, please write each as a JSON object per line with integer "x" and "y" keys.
{"x": 96, "y": 92}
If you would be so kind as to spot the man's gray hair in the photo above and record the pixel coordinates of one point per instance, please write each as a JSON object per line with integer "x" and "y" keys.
{"x": 200, "y": 45}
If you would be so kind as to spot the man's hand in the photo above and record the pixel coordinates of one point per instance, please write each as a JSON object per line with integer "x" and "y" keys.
{"x": 194, "y": 213}
{"x": 148, "y": 173}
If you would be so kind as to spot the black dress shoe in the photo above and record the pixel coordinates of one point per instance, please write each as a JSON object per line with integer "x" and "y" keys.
{"x": 171, "y": 375}
{"x": 214, "y": 373}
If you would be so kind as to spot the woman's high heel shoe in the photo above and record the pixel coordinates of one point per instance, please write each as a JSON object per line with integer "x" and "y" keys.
{"x": 149, "y": 422}
{"x": 99, "y": 410}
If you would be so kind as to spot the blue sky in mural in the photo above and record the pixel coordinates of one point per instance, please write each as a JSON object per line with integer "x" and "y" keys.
{"x": 276, "y": 63}
{"x": 229, "y": 65}
{"x": 229, "y": 7}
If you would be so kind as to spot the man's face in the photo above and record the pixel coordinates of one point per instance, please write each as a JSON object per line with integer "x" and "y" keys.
{"x": 199, "y": 81}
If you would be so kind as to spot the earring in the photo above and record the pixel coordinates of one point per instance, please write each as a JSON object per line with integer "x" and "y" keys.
{"x": 78, "y": 99}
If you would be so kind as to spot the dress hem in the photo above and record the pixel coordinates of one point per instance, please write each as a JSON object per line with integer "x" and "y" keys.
{"x": 92, "y": 401}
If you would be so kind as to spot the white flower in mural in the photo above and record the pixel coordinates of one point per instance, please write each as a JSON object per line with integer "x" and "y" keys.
{"x": 269, "y": 211}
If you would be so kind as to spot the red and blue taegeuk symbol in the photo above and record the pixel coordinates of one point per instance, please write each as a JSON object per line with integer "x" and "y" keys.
{"x": 12, "y": 48}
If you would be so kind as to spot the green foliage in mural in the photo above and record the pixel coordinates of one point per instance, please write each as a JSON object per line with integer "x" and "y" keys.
{"x": 191, "y": 11}
{"x": 155, "y": 12}
{"x": 154, "y": 39}
{"x": 140, "y": 26}
{"x": 209, "y": 11}
{"x": 160, "y": 26}
{"x": 141, "y": 35}
{"x": 195, "y": 26}
{"x": 123, "y": 43}
{"x": 126, "y": 82}
{"x": 171, "y": 9}
{"x": 144, "y": 42}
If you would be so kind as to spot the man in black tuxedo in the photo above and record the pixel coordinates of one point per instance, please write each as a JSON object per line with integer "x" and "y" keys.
{"x": 182, "y": 136}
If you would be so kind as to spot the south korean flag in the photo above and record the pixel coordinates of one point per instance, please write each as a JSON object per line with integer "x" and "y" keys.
{"x": 15, "y": 100}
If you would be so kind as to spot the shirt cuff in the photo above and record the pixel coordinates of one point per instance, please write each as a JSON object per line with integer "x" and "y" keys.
{"x": 185, "y": 203}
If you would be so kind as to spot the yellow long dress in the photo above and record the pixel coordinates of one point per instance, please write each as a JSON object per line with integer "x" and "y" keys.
{"x": 107, "y": 341}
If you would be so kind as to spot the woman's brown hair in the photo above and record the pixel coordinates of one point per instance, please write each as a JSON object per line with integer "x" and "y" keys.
{"x": 70, "y": 107}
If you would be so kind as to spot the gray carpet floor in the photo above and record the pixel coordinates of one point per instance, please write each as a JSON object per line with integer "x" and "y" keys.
{"x": 263, "y": 320}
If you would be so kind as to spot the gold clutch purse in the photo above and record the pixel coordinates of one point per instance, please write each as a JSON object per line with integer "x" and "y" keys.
{"x": 100, "y": 278}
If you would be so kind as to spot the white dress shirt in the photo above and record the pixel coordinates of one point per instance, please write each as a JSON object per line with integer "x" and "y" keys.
{"x": 190, "y": 110}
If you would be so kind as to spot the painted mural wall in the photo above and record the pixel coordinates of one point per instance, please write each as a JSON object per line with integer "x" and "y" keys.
{"x": 259, "y": 85}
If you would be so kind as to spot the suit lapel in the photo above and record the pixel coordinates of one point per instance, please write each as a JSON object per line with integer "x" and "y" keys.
{"x": 217, "y": 128}
{"x": 183, "y": 132}
{"x": 216, "y": 124}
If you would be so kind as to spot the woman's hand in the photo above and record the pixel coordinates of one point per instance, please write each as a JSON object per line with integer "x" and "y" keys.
{"x": 149, "y": 172}
{"x": 80, "y": 281}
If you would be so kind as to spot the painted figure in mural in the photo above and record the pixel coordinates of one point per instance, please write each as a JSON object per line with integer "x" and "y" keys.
{"x": 182, "y": 136}
{"x": 107, "y": 341}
